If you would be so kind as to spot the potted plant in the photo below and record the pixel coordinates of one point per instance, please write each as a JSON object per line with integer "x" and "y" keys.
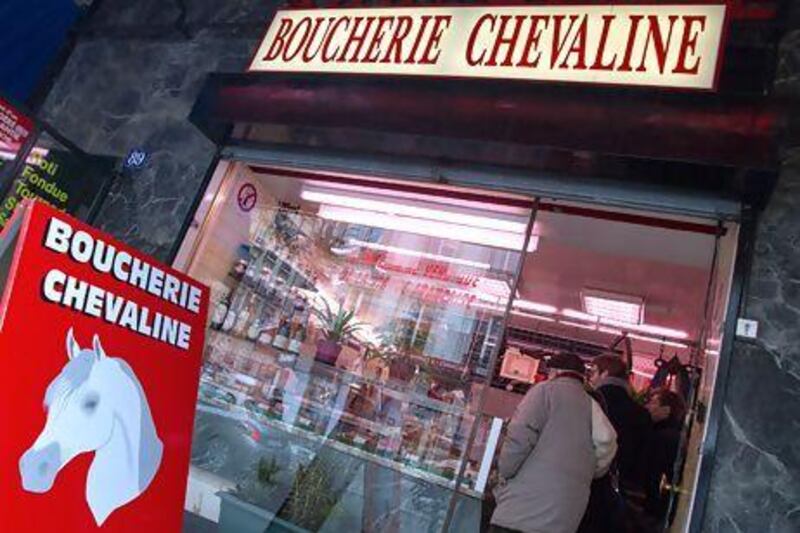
{"x": 379, "y": 356}
{"x": 251, "y": 506}
{"x": 337, "y": 328}
{"x": 312, "y": 498}
{"x": 394, "y": 349}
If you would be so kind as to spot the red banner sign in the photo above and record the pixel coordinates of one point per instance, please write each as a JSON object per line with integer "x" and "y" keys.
{"x": 102, "y": 347}
{"x": 15, "y": 129}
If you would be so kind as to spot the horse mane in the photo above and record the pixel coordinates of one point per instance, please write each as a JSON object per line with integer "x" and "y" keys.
{"x": 74, "y": 374}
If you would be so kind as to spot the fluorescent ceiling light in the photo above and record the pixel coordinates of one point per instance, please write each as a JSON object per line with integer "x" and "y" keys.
{"x": 612, "y": 331}
{"x": 642, "y": 373}
{"x": 423, "y": 255}
{"x": 591, "y": 327}
{"x": 430, "y": 228}
{"x": 490, "y": 307}
{"x": 534, "y": 306}
{"x": 657, "y": 341}
{"x": 618, "y": 307}
{"x": 661, "y": 331}
{"x": 580, "y": 315}
{"x": 373, "y": 188}
{"x": 649, "y": 328}
{"x": 535, "y": 317}
{"x": 416, "y": 211}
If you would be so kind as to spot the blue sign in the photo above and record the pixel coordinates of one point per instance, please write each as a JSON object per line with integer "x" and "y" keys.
{"x": 33, "y": 34}
{"x": 136, "y": 159}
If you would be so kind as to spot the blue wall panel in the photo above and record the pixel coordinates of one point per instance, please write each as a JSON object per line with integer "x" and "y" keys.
{"x": 31, "y": 34}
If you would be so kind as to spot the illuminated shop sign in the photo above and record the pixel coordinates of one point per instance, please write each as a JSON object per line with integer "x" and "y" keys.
{"x": 647, "y": 45}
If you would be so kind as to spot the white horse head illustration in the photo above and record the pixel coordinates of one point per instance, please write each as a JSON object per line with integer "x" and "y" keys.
{"x": 96, "y": 403}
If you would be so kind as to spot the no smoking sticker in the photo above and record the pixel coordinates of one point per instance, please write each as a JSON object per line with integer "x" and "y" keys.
{"x": 247, "y": 197}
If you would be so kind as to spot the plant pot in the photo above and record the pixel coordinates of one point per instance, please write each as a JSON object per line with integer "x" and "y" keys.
{"x": 401, "y": 369}
{"x": 238, "y": 516}
{"x": 328, "y": 351}
{"x": 265, "y": 339}
{"x": 294, "y": 346}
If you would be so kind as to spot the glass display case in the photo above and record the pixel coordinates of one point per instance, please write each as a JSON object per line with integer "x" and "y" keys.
{"x": 346, "y": 357}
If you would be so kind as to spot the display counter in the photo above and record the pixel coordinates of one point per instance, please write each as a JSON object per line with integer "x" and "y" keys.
{"x": 391, "y": 423}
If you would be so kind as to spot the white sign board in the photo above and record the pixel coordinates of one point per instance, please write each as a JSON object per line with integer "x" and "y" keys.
{"x": 647, "y": 45}
{"x": 746, "y": 328}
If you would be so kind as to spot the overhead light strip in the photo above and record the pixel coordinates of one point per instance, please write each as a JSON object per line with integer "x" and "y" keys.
{"x": 423, "y": 255}
{"x": 430, "y": 228}
{"x": 439, "y": 213}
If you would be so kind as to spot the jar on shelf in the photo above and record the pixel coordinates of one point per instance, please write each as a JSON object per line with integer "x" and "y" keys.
{"x": 230, "y": 319}
{"x": 297, "y": 337}
{"x": 254, "y": 330}
{"x": 265, "y": 334}
{"x": 281, "y": 340}
{"x": 239, "y": 268}
{"x": 243, "y": 318}
{"x": 220, "y": 311}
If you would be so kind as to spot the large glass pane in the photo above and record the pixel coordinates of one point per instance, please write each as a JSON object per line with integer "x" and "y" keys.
{"x": 351, "y": 335}
{"x": 627, "y": 286}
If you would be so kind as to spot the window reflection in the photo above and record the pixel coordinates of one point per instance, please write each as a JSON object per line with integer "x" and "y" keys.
{"x": 344, "y": 363}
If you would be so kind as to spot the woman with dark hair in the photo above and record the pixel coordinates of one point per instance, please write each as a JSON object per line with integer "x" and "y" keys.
{"x": 667, "y": 411}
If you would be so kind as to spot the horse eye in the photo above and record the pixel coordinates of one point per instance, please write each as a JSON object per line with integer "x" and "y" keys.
{"x": 90, "y": 404}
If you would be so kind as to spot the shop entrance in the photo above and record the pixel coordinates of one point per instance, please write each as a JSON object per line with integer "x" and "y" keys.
{"x": 370, "y": 338}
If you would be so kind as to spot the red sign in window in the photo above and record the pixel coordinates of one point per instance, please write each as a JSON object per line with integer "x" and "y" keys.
{"x": 15, "y": 130}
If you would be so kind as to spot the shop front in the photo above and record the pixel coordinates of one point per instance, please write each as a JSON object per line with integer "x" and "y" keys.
{"x": 365, "y": 346}
{"x": 394, "y": 256}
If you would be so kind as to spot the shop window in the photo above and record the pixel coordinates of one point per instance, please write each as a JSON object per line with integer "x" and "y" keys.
{"x": 351, "y": 335}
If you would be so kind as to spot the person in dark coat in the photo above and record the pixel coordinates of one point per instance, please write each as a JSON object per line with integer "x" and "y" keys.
{"x": 630, "y": 420}
{"x": 667, "y": 411}
{"x": 606, "y": 511}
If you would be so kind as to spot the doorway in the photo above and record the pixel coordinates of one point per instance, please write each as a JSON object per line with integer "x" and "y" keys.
{"x": 646, "y": 288}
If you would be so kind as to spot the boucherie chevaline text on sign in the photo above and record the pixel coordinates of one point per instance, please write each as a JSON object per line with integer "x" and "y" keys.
{"x": 651, "y": 45}
{"x": 69, "y": 291}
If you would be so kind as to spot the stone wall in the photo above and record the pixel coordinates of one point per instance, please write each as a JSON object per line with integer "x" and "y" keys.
{"x": 131, "y": 82}
{"x": 755, "y": 484}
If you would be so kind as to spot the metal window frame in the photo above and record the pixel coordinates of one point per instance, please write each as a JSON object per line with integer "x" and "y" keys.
{"x": 621, "y": 194}
{"x": 741, "y": 272}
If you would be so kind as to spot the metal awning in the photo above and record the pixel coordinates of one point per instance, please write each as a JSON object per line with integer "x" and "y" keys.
{"x": 296, "y": 161}
{"x": 704, "y": 128}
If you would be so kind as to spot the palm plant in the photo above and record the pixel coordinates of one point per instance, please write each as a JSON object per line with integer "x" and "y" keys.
{"x": 339, "y": 326}
{"x": 259, "y": 482}
{"x": 384, "y": 351}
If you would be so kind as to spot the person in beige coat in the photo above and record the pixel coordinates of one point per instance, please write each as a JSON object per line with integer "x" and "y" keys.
{"x": 558, "y": 440}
